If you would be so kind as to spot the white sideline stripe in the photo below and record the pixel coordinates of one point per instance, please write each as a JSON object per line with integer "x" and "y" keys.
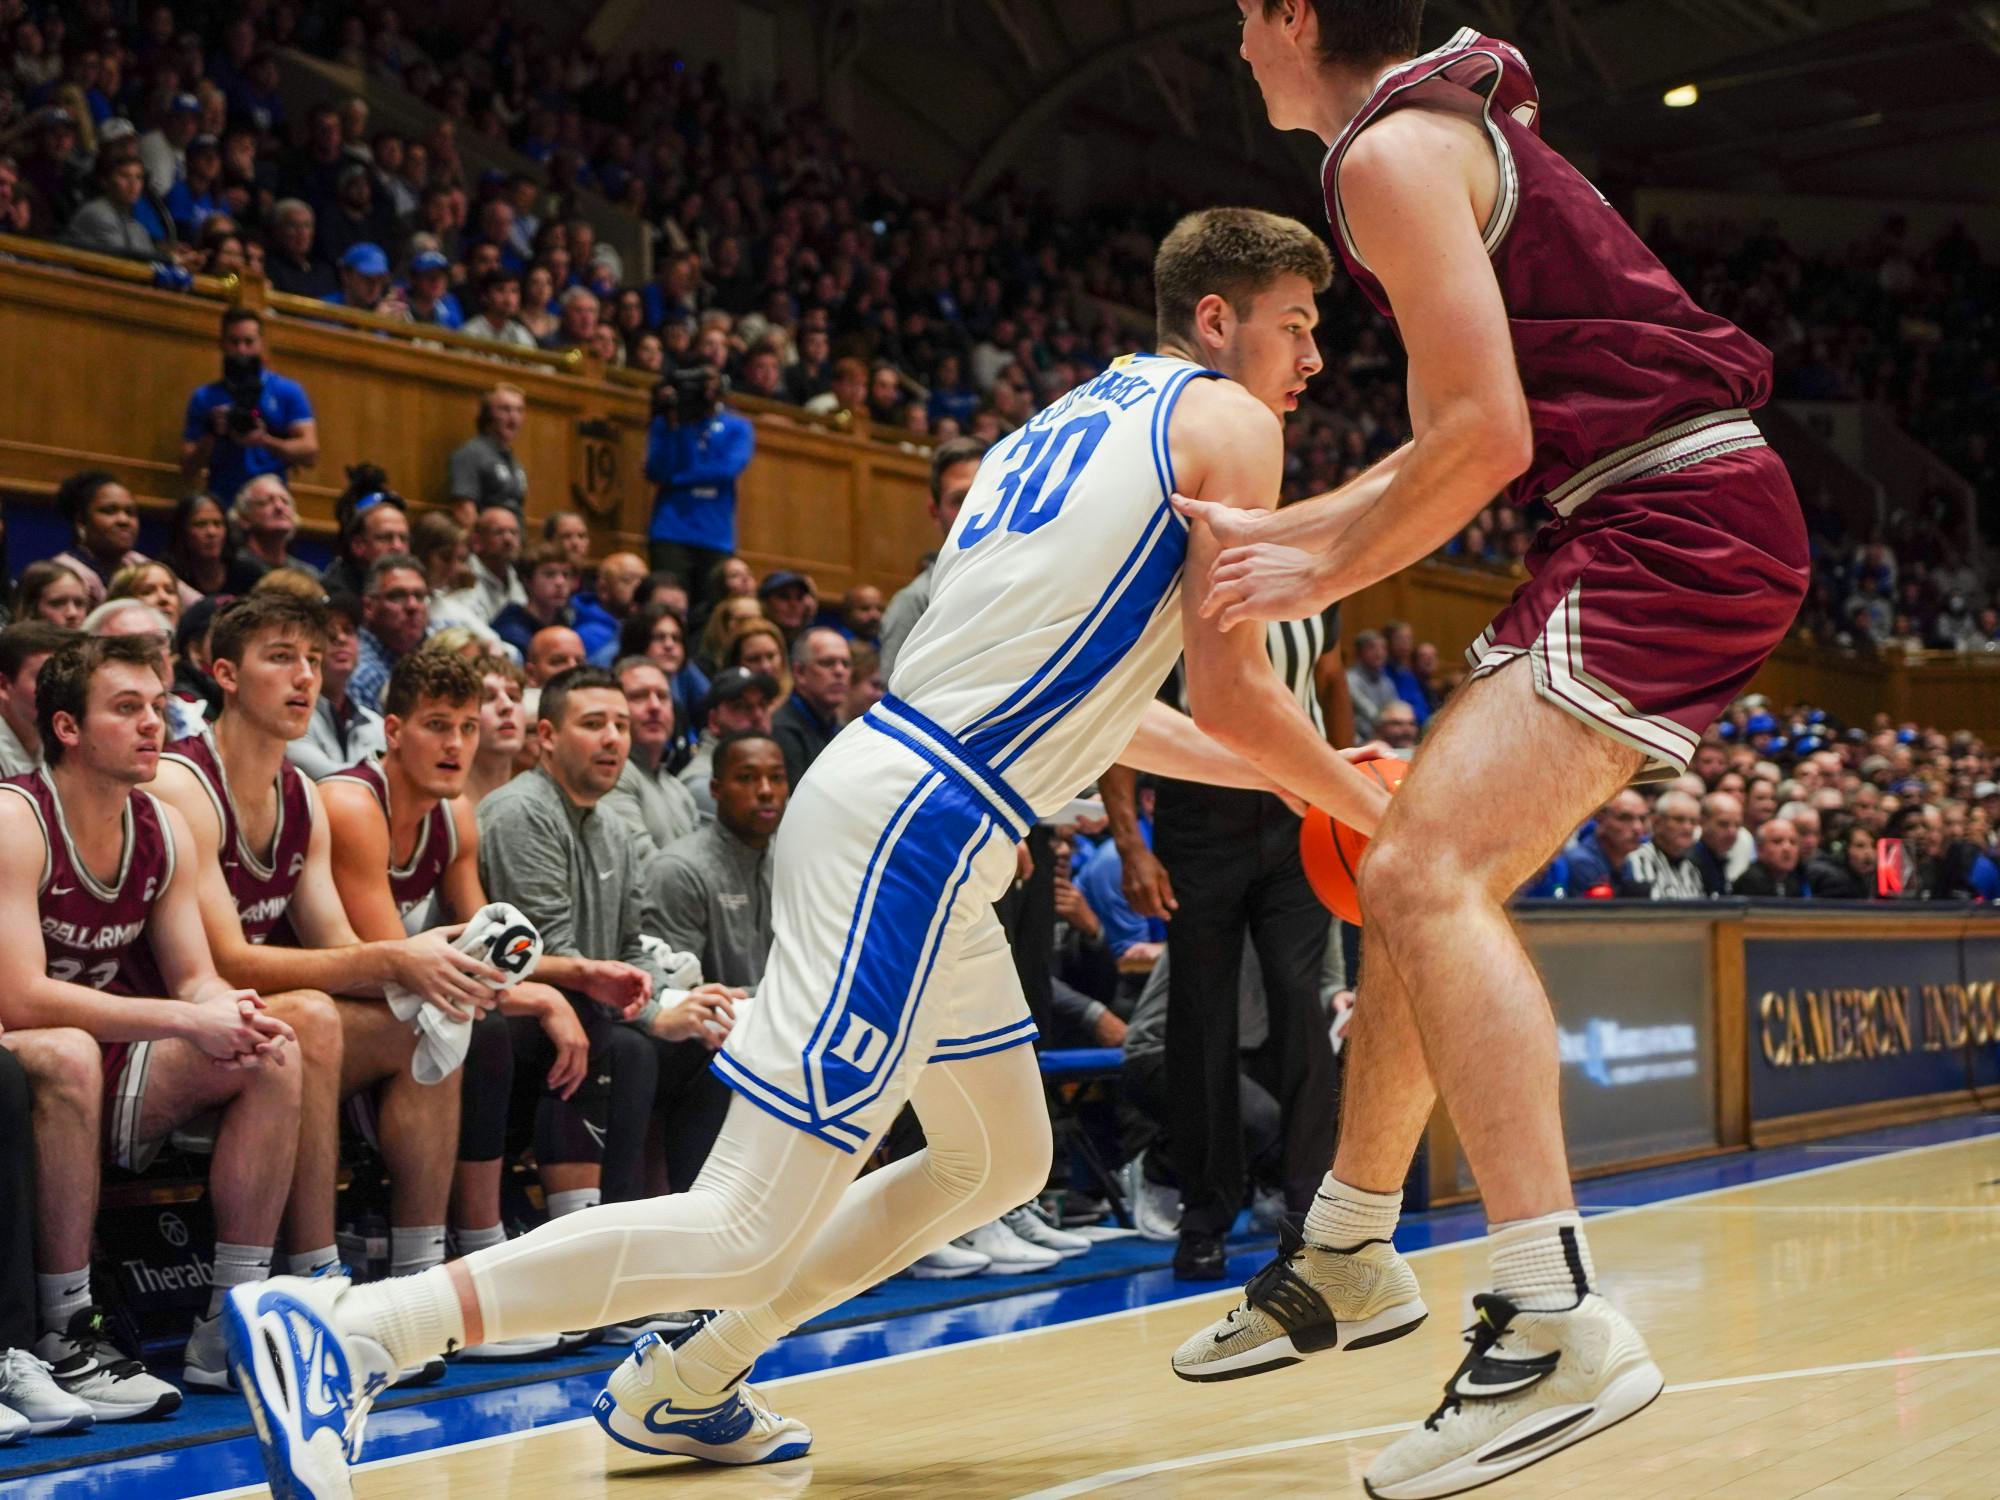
{"x": 1133, "y": 1312}
{"x": 1114, "y": 1477}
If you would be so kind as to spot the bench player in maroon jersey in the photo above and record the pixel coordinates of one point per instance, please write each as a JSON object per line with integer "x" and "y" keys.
{"x": 406, "y": 849}
{"x": 1551, "y": 357}
{"x": 264, "y": 856}
{"x": 97, "y": 895}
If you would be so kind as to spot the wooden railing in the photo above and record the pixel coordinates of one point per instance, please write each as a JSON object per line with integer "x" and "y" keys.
{"x": 98, "y": 367}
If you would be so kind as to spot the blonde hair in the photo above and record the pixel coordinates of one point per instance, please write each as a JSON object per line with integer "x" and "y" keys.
{"x": 291, "y": 581}
{"x": 125, "y": 583}
{"x": 715, "y": 634}
{"x": 732, "y": 651}
{"x": 458, "y": 640}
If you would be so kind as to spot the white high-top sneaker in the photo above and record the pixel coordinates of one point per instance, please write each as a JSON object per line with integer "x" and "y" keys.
{"x": 1533, "y": 1384}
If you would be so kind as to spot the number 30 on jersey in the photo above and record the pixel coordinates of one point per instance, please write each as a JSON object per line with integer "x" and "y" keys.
{"x": 1031, "y": 493}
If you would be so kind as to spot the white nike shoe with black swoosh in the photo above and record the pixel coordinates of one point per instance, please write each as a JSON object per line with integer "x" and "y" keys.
{"x": 309, "y": 1384}
{"x": 1532, "y": 1384}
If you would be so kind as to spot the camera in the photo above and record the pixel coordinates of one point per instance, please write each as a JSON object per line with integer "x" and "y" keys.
{"x": 243, "y": 383}
{"x": 691, "y": 393}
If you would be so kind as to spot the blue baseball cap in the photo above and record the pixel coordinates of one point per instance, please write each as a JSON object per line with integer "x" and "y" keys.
{"x": 184, "y": 104}
{"x": 1726, "y": 729}
{"x": 1761, "y": 724}
{"x": 429, "y": 260}
{"x": 365, "y": 258}
{"x": 1810, "y": 744}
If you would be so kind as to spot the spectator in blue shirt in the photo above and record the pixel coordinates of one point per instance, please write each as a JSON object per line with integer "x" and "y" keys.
{"x": 1598, "y": 853}
{"x": 696, "y": 449}
{"x": 429, "y": 296}
{"x": 235, "y": 441}
{"x": 198, "y": 193}
{"x": 1102, "y": 884}
{"x": 1402, "y": 644}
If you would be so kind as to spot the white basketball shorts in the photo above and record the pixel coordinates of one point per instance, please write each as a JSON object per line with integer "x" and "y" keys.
{"x": 886, "y": 954}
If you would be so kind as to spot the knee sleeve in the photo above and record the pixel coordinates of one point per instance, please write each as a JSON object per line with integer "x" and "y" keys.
{"x": 486, "y": 1082}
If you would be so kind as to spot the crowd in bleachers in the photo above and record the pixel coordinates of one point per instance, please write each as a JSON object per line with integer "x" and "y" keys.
{"x": 645, "y": 717}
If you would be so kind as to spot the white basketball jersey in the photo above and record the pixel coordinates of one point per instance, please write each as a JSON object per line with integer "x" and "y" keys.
{"x": 1055, "y": 604}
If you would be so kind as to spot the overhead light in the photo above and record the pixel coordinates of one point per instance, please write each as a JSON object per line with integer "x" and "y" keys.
{"x": 1687, "y": 94}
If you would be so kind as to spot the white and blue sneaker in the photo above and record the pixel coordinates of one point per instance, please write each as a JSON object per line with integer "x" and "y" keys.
{"x": 309, "y": 1383}
{"x": 648, "y": 1407}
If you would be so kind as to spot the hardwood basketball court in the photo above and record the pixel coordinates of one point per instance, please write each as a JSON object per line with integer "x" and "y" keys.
{"x": 1835, "y": 1333}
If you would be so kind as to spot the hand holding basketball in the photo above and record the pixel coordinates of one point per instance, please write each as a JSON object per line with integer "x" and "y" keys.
{"x": 1332, "y": 851}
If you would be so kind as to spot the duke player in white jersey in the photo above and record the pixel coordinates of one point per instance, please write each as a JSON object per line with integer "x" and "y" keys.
{"x": 1058, "y": 610}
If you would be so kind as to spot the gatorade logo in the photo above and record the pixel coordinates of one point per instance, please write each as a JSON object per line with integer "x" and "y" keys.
{"x": 511, "y": 948}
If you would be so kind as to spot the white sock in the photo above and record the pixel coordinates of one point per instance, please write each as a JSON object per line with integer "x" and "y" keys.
{"x": 61, "y": 1297}
{"x": 312, "y": 1262}
{"x": 719, "y": 1354}
{"x": 573, "y": 1200}
{"x": 413, "y": 1317}
{"x": 1345, "y": 1218}
{"x": 466, "y": 1241}
{"x": 235, "y": 1265}
{"x": 1541, "y": 1265}
{"x": 415, "y": 1249}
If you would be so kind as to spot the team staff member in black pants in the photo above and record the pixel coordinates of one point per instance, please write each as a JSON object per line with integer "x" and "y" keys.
{"x": 1225, "y": 868}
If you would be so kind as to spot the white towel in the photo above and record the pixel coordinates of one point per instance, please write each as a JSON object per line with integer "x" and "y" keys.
{"x": 499, "y": 934}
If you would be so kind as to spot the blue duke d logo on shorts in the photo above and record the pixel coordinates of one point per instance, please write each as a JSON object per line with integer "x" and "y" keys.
{"x": 914, "y": 877}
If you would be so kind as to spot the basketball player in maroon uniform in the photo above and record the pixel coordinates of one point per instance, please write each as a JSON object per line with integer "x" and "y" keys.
{"x": 1551, "y": 357}
{"x": 97, "y": 897}
{"x": 406, "y": 849}
{"x": 263, "y": 853}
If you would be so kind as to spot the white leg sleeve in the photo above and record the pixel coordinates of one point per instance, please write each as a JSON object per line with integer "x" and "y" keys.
{"x": 986, "y": 1124}
{"x": 731, "y": 1240}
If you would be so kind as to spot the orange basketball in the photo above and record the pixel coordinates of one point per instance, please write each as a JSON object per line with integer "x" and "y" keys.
{"x": 1332, "y": 852}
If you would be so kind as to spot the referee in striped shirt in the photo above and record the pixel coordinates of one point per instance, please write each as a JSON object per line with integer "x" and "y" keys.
{"x": 1225, "y": 868}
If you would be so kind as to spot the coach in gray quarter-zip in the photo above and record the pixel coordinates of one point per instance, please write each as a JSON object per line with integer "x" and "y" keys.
{"x": 710, "y": 893}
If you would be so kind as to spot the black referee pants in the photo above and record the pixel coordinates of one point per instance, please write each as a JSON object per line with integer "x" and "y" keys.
{"x": 1233, "y": 857}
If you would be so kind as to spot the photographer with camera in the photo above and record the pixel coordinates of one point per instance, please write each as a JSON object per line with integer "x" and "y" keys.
{"x": 252, "y": 421}
{"x": 695, "y": 450}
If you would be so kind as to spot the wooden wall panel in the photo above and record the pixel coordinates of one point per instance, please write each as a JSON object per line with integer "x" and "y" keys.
{"x": 98, "y": 372}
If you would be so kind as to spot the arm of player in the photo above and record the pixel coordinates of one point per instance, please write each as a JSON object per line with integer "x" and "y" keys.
{"x": 358, "y": 836}
{"x": 1236, "y": 446}
{"x": 334, "y": 960}
{"x": 31, "y": 997}
{"x": 1408, "y": 186}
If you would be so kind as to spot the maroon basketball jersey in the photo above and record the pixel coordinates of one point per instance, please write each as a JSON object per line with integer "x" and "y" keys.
{"x": 262, "y": 884}
{"x": 92, "y": 933}
{"x": 413, "y": 882}
{"x": 1611, "y": 350}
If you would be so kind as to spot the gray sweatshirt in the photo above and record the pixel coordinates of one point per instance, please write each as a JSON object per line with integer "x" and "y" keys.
{"x": 573, "y": 871}
{"x": 710, "y": 894}
{"x": 655, "y": 803}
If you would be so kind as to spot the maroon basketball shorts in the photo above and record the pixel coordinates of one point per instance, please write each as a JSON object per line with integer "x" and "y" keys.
{"x": 1651, "y": 604}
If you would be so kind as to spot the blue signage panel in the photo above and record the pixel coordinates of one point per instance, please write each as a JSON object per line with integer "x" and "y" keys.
{"x": 1838, "y": 1021}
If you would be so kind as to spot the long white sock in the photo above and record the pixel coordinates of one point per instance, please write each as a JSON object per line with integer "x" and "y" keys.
{"x": 573, "y": 1200}
{"x": 413, "y": 1317}
{"x": 1344, "y": 1218}
{"x": 720, "y": 1352}
{"x": 1542, "y": 1265}
{"x": 235, "y": 1265}
{"x": 415, "y": 1249}
{"x": 313, "y": 1262}
{"x": 466, "y": 1241}
{"x": 60, "y": 1297}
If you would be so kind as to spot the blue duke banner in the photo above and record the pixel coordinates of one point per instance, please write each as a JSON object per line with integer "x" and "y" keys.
{"x": 1836, "y": 1021}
